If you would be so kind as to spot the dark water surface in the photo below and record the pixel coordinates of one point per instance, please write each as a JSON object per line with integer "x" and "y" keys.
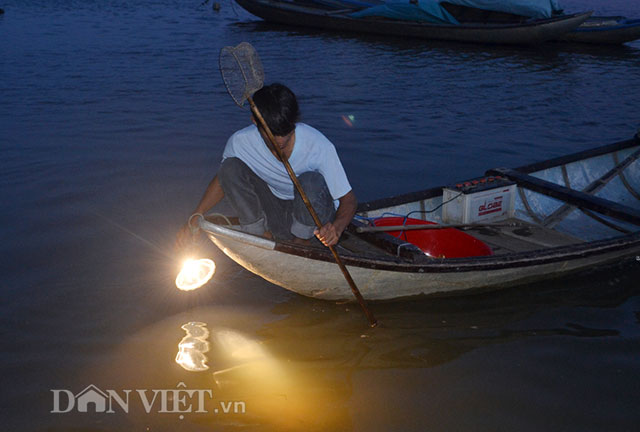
{"x": 113, "y": 117}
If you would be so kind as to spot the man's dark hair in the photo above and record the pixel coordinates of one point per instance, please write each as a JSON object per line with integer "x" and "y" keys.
{"x": 279, "y": 108}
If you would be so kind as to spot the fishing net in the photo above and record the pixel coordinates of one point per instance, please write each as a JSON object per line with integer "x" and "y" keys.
{"x": 241, "y": 71}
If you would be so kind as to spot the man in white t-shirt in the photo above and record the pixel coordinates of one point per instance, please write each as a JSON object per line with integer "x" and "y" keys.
{"x": 258, "y": 187}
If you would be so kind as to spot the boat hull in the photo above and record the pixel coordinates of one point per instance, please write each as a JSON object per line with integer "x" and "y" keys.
{"x": 568, "y": 214}
{"x": 322, "y": 279}
{"x": 526, "y": 33}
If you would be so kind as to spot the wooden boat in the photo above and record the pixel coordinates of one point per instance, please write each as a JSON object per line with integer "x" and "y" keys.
{"x": 605, "y": 30}
{"x": 498, "y": 31}
{"x": 539, "y": 221}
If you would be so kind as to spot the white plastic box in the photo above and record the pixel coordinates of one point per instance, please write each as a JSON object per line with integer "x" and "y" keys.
{"x": 468, "y": 205}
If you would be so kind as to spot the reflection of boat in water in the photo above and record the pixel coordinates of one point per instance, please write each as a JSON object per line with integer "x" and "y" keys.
{"x": 419, "y": 333}
{"x": 540, "y": 221}
{"x": 313, "y": 369}
{"x": 432, "y": 332}
{"x": 331, "y": 366}
{"x": 301, "y": 364}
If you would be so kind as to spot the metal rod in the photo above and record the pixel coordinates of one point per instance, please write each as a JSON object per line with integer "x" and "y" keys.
{"x": 429, "y": 227}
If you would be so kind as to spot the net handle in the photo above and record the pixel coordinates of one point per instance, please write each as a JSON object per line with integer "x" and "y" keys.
{"x": 354, "y": 289}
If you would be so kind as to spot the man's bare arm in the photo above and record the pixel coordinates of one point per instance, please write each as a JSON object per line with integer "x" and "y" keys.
{"x": 212, "y": 196}
{"x": 330, "y": 233}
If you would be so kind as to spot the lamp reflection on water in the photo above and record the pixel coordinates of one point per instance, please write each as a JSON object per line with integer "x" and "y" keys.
{"x": 284, "y": 395}
{"x": 192, "y": 348}
{"x": 251, "y": 366}
{"x": 238, "y": 346}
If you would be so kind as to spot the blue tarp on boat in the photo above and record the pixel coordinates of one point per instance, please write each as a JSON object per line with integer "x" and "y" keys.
{"x": 422, "y": 10}
{"x": 529, "y": 8}
{"x": 432, "y": 10}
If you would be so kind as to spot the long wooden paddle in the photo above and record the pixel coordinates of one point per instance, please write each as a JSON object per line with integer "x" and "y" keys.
{"x": 421, "y": 227}
{"x": 243, "y": 75}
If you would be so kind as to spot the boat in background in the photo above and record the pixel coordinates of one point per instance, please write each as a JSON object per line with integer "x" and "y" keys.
{"x": 605, "y": 30}
{"x": 510, "y": 226}
{"x": 475, "y": 26}
{"x": 595, "y": 30}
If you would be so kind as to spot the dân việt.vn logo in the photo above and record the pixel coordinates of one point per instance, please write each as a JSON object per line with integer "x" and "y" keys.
{"x": 180, "y": 400}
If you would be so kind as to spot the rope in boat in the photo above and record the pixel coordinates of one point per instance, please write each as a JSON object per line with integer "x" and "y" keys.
{"x": 371, "y": 220}
{"x": 226, "y": 219}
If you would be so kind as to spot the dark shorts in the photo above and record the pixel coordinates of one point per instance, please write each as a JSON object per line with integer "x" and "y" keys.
{"x": 259, "y": 210}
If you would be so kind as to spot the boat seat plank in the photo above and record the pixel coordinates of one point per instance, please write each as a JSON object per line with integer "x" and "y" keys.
{"x": 521, "y": 236}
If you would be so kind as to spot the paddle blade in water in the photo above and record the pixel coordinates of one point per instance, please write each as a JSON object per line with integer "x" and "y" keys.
{"x": 241, "y": 71}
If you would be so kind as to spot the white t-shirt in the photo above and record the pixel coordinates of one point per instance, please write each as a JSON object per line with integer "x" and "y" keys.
{"x": 312, "y": 151}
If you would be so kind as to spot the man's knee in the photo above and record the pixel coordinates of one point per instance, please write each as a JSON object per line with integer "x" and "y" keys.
{"x": 313, "y": 183}
{"x": 316, "y": 189}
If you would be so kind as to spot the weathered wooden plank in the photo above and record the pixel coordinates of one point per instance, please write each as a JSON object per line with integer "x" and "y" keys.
{"x": 592, "y": 188}
{"x": 571, "y": 196}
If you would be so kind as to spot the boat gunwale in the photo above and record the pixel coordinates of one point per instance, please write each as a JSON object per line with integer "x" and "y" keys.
{"x": 481, "y": 263}
{"x": 621, "y": 24}
{"x": 212, "y": 228}
{"x": 435, "y": 265}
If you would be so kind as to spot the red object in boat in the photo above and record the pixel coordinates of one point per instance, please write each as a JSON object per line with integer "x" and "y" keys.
{"x": 438, "y": 243}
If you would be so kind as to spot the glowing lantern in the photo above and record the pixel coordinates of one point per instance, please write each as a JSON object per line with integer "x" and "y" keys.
{"x": 195, "y": 273}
